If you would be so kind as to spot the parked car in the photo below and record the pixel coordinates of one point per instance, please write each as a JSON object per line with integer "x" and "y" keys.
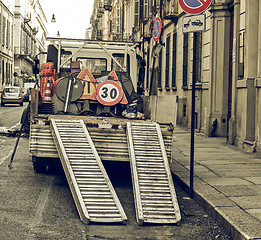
{"x": 12, "y": 95}
{"x": 26, "y": 93}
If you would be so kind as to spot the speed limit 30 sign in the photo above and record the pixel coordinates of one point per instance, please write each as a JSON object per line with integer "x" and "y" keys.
{"x": 109, "y": 93}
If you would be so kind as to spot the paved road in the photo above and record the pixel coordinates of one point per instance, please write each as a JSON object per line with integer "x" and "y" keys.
{"x": 40, "y": 206}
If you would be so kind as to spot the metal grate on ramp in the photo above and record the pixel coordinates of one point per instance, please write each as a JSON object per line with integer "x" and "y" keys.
{"x": 93, "y": 193}
{"x": 154, "y": 192}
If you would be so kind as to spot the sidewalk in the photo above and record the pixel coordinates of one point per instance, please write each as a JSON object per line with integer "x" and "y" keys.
{"x": 227, "y": 181}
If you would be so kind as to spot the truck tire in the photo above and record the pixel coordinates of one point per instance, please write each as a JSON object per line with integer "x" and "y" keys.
{"x": 39, "y": 168}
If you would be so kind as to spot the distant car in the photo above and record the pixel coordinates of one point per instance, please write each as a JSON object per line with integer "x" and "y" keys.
{"x": 12, "y": 95}
{"x": 26, "y": 93}
{"x": 197, "y": 23}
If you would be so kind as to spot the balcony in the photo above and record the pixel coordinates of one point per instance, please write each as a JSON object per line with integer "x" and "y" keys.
{"x": 108, "y": 5}
{"x": 171, "y": 10}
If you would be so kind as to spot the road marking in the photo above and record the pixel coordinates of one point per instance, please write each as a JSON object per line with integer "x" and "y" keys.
{"x": 3, "y": 159}
{"x": 7, "y": 111}
{"x": 40, "y": 207}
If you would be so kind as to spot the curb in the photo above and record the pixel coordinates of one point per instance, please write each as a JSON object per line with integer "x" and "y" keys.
{"x": 211, "y": 208}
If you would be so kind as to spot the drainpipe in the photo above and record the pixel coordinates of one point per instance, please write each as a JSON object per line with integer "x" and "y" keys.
{"x": 233, "y": 120}
{"x": 122, "y": 20}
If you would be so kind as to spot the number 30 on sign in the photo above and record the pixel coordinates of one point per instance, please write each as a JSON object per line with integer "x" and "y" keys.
{"x": 109, "y": 93}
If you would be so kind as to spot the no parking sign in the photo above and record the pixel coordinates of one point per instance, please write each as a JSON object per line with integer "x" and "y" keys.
{"x": 194, "y": 6}
{"x": 157, "y": 29}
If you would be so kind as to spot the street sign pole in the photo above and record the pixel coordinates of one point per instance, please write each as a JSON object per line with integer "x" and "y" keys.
{"x": 192, "y": 137}
{"x": 193, "y": 7}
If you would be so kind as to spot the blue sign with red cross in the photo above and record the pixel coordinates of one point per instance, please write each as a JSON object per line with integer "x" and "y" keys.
{"x": 157, "y": 29}
{"x": 194, "y": 6}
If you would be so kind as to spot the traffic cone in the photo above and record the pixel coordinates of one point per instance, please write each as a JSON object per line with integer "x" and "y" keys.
{"x": 48, "y": 93}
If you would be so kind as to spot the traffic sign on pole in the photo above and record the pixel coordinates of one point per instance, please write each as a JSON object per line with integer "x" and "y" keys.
{"x": 157, "y": 29}
{"x": 194, "y": 6}
{"x": 194, "y": 23}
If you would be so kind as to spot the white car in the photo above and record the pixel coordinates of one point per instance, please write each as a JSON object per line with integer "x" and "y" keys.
{"x": 12, "y": 95}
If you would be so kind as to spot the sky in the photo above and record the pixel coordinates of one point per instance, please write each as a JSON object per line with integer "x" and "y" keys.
{"x": 72, "y": 17}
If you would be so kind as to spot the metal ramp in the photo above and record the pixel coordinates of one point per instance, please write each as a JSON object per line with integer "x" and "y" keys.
{"x": 154, "y": 193}
{"x": 93, "y": 193}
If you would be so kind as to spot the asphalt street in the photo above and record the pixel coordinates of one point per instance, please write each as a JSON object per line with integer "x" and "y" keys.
{"x": 40, "y": 206}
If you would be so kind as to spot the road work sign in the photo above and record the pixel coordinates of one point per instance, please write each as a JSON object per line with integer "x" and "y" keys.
{"x": 194, "y": 6}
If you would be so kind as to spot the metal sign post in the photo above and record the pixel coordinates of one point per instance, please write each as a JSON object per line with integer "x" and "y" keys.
{"x": 192, "y": 137}
{"x": 193, "y": 23}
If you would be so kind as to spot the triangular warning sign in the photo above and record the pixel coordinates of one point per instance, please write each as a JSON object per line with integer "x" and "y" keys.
{"x": 89, "y": 83}
{"x": 113, "y": 76}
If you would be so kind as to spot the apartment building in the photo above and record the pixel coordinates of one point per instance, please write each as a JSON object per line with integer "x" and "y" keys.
{"x": 227, "y": 63}
{"x": 29, "y": 38}
{"x": 6, "y": 43}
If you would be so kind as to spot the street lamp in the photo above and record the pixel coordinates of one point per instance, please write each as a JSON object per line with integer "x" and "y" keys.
{"x": 53, "y": 19}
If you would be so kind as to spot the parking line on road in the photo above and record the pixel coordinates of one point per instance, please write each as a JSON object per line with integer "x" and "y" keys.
{"x": 3, "y": 159}
{"x": 39, "y": 209}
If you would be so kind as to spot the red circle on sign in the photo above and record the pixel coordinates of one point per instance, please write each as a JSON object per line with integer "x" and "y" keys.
{"x": 195, "y": 10}
{"x": 109, "y": 93}
{"x": 157, "y": 29}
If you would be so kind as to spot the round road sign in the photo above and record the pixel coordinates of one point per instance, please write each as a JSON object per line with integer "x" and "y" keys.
{"x": 194, "y": 6}
{"x": 157, "y": 29}
{"x": 109, "y": 93}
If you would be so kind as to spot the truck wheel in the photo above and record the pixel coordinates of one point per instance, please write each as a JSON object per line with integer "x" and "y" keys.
{"x": 2, "y": 104}
{"x": 21, "y": 104}
{"x": 39, "y": 168}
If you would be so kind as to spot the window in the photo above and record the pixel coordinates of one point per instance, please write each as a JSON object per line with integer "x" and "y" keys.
{"x": 94, "y": 65}
{"x": 241, "y": 57}
{"x": 148, "y": 68}
{"x": 0, "y": 27}
{"x": 120, "y": 58}
{"x": 184, "y": 110}
{"x": 146, "y": 9}
{"x": 7, "y": 34}
{"x": 6, "y": 73}
{"x": 118, "y": 20}
{"x": 159, "y": 70}
{"x": 3, "y": 72}
{"x": 185, "y": 59}
{"x": 3, "y": 30}
{"x": 152, "y": 7}
{"x": 174, "y": 60}
{"x": 198, "y": 56}
{"x": 136, "y": 20}
{"x": 167, "y": 62}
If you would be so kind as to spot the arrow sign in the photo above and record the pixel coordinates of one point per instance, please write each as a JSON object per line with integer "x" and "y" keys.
{"x": 194, "y": 6}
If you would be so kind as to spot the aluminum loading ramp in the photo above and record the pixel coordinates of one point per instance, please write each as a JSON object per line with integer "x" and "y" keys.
{"x": 154, "y": 193}
{"x": 93, "y": 193}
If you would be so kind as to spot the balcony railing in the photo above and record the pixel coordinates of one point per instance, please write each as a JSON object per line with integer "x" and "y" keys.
{"x": 108, "y": 5}
{"x": 171, "y": 9}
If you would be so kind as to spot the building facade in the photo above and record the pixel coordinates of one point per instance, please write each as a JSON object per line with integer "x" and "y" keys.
{"x": 6, "y": 43}
{"x": 227, "y": 63}
{"x": 29, "y": 38}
